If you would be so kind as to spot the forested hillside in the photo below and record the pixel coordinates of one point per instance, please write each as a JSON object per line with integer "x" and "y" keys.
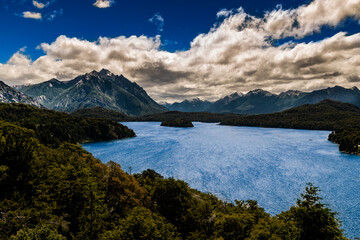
{"x": 53, "y": 127}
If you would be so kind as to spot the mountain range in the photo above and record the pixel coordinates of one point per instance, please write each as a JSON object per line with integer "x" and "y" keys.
{"x": 194, "y": 105}
{"x": 94, "y": 89}
{"x": 113, "y": 92}
{"x": 260, "y": 102}
{"x": 11, "y": 95}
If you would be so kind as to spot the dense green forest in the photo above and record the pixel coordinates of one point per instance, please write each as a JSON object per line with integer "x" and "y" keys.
{"x": 60, "y": 191}
{"x": 53, "y": 127}
{"x": 99, "y": 112}
{"x": 177, "y": 122}
{"x": 325, "y": 115}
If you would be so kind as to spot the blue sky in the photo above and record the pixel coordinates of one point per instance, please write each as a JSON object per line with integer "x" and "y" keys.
{"x": 26, "y": 24}
{"x": 183, "y": 21}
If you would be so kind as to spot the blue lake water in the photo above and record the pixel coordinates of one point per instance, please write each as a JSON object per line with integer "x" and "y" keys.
{"x": 269, "y": 165}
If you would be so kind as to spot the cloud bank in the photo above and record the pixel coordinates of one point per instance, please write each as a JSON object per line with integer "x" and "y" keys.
{"x": 237, "y": 54}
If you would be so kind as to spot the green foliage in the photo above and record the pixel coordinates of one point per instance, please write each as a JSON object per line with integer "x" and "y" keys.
{"x": 40, "y": 232}
{"x": 123, "y": 192}
{"x": 172, "y": 200}
{"x": 53, "y": 128}
{"x": 348, "y": 139}
{"x": 189, "y": 116}
{"x": 141, "y": 223}
{"x": 234, "y": 226}
{"x": 99, "y": 112}
{"x": 63, "y": 186}
{"x": 313, "y": 218}
{"x": 275, "y": 229}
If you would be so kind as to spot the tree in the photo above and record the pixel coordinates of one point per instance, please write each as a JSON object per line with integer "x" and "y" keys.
{"x": 40, "y": 232}
{"x": 313, "y": 218}
{"x": 141, "y": 223}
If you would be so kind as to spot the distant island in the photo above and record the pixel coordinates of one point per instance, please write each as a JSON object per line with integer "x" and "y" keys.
{"x": 178, "y": 122}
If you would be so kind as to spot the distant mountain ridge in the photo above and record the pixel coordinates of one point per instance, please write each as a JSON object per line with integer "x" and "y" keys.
{"x": 11, "y": 95}
{"x": 194, "y": 105}
{"x": 103, "y": 89}
{"x": 259, "y": 101}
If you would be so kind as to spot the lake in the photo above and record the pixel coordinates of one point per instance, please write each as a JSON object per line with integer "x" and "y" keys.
{"x": 269, "y": 165}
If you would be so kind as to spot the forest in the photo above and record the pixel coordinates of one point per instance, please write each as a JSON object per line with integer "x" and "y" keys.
{"x": 59, "y": 191}
{"x": 53, "y": 127}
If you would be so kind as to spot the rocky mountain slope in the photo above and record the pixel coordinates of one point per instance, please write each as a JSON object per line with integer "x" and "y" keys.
{"x": 260, "y": 102}
{"x": 194, "y": 105}
{"x": 93, "y": 89}
{"x": 10, "y": 95}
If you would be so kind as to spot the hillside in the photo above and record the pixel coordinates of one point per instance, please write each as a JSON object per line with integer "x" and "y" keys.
{"x": 102, "y": 89}
{"x": 53, "y": 127}
{"x": 11, "y": 95}
{"x": 99, "y": 112}
{"x": 190, "y": 116}
{"x": 326, "y": 115}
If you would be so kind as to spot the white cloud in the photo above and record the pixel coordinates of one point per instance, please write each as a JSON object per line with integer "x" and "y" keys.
{"x": 103, "y": 3}
{"x": 33, "y": 15}
{"x": 159, "y": 21}
{"x": 224, "y": 13}
{"x": 39, "y": 5}
{"x": 235, "y": 55}
{"x": 308, "y": 19}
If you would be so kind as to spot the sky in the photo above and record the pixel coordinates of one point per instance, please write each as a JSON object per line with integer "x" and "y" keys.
{"x": 184, "y": 49}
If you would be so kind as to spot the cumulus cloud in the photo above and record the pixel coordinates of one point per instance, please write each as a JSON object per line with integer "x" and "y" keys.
{"x": 103, "y": 3}
{"x": 33, "y": 15}
{"x": 237, "y": 54}
{"x": 158, "y": 21}
{"x": 39, "y": 5}
{"x": 308, "y": 19}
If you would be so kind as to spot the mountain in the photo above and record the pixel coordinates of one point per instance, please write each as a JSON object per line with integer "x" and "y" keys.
{"x": 93, "y": 89}
{"x": 221, "y": 103}
{"x": 254, "y": 102}
{"x": 259, "y": 101}
{"x": 195, "y": 105}
{"x": 10, "y": 95}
